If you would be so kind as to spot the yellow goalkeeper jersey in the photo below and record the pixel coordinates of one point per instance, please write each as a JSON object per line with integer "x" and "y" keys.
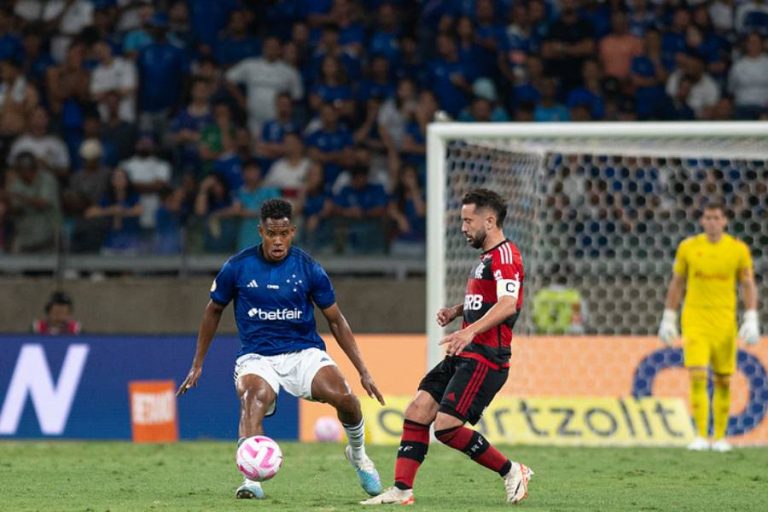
{"x": 712, "y": 271}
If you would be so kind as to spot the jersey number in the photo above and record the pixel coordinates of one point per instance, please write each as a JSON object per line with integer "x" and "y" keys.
{"x": 473, "y": 302}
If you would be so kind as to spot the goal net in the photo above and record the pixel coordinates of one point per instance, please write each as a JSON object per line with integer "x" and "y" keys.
{"x": 598, "y": 208}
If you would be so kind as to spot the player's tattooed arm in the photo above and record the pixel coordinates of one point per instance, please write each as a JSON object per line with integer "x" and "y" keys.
{"x": 447, "y": 315}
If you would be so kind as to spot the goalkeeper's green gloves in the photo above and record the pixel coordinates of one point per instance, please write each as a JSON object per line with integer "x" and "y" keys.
{"x": 750, "y": 330}
{"x": 668, "y": 331}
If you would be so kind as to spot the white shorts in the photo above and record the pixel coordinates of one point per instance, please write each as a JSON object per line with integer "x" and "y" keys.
{"x": 294, "y": 371}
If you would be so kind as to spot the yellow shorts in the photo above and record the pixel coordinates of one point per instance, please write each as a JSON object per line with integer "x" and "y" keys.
{"x": 710, "y": 340}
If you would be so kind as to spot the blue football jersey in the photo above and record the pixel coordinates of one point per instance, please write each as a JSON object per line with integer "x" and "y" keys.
{"x": 274, "y": 301}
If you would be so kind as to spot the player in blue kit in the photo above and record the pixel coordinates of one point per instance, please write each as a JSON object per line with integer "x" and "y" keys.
{"x": 274, "y": 287}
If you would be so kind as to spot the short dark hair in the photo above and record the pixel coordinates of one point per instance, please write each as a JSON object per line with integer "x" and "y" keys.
{"x": 484, "y": 198}
{"x": 252, "y": 162}
{"x": 58, "y": 298}
{"x": 25, "y": 159}
{"x": 714, "y": 205}
{"x": 276, "y": 209}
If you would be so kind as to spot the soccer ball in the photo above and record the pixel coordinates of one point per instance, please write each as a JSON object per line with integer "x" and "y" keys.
{"x": 259, "y": 458}
{"x": 327, "y": 429}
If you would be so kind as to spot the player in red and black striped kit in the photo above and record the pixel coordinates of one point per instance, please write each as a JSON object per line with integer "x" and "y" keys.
{"x": 461, "y": 386}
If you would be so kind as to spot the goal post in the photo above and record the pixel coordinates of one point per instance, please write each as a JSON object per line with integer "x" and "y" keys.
{"x": 637, "y": 187}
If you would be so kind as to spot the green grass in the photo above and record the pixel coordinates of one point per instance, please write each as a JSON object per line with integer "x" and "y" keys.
{"x": 97, "y": 477}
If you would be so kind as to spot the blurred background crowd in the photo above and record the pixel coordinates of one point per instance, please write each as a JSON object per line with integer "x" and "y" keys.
{"x": 138, "y": 127}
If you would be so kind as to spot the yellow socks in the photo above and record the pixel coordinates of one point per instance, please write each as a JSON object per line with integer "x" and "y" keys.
{"x": 721, "y": 405}
{"x": 700, "y": 403}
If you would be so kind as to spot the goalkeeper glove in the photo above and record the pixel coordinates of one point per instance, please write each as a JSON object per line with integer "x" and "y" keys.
{"x": 668, "y": 329}
{"x": 749, "y": 331}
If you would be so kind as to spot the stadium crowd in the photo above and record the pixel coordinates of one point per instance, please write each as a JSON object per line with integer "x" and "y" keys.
{"x": 130, "y": 126}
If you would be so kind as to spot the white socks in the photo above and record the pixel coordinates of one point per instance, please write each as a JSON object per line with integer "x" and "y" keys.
{"x": 356, "y": 437}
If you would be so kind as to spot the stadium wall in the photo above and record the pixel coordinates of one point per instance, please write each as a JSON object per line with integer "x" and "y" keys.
{"x": 162, "y": 305}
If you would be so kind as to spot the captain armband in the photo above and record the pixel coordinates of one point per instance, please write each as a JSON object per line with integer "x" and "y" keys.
{"x": 507, "y": 288}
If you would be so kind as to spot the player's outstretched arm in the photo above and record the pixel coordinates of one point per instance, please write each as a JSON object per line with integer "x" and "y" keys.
{"x": 208, "y": 326}
{"x": 447, "y": 315}
{"x": 346, "y": 340}
{"x": 750, "y": 329}
{"x": 668, "y": 330}
{"x": 503, "y": 309}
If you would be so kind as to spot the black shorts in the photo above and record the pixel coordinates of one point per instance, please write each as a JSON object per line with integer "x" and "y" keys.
{"x": 463, "y": 387}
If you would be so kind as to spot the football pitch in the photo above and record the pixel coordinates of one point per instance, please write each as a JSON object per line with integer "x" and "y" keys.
{"x": 191, "y": 476}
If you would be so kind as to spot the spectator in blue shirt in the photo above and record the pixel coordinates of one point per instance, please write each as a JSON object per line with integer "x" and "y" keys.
{"x": 379, "y": 82}
{"x": 482, "y": 111}
{"x": 648, "y": 75}
{"x": 208, "y": 69}
{"x": 162, "y": 68}
{"x": 282, "y": 16}
{"x": 316, "y": 207}
{"x": 489, "y": 34}
{"x": 330, "y": 46}
{"x": 270, "y": 145}
{"x": 384, "y": 39}
{"x": 179, "y": 28}
{"x": 122, "y": 208}
{"x": 169, "y": 220}
{"x": 189, "y": 124}
{"x": 362, "y": 208}
{"x": 470, "y": 52}
{"x": 589, "y": 95}
{"x": 716, "y": 49}
{"x": 216, "y": 207}
{"x": 484, "y": 107}
{"x": 549, "y": 109}
{"x": 37, "y": 59}
{"x": 641, "y": 18}
{"x": 250, "y": 197}
{"x": 351, "y": 31}
{"x": 519, "y": 43}
{"x": 209, "y": 17}
{"x": 10, "y": 43}
{"x": 318, "y": 13}
{"x": 410, "y": 65}
{"x": 235, "y": 43}
{"x": 598, "y": 13}
{"x": 332, "y": 87}
{"x": 448, "y": 77}
{"x": 408, "y": 210}
{"x": 331, "y": 145}
{"x": 140, "y": 37}
{"x": 541, "y": 19}
{"x": 673, "y": 45}
{"x": 367, "y": 133}
{"x": 675, "y": 107}
{"x": 414, "y": 147}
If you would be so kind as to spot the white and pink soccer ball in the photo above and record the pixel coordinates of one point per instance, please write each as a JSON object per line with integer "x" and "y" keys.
{"x": 327, "y": 429}
{"x": 259, "y": 458}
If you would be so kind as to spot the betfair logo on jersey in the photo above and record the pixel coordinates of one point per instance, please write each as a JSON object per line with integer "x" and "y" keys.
{"x": 279, "y": 314}
{"x": 590, "y": 421}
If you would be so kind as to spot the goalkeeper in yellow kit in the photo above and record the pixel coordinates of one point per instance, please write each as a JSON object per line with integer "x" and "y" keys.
{"x": 708, "y": 265}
